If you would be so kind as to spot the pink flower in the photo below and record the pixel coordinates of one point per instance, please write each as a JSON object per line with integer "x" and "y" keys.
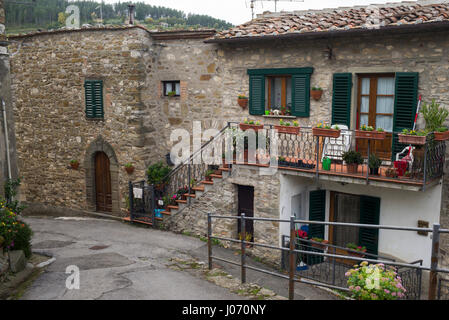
{"x": 393, "y": 294}
{"x": 357, "y": 288}
{"x": 387, "y": 291}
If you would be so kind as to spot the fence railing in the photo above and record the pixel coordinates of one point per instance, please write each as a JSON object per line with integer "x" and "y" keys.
{"x": 319, "y": 256}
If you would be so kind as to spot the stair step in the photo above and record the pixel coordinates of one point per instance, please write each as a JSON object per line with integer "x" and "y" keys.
{"x": 198, "y": 189}
{"x": 207, "y": 182}
{"x": 128, "y": 219}
{"x": 159, "y": 219}
{"x": 166, "y": 213}
{"x": 225, "y": 169}
{"x": 216, "y": 176}
{"x": 191, "y": 195}
{"x": 173, "y": 207}
{"x": 181, "y": 201}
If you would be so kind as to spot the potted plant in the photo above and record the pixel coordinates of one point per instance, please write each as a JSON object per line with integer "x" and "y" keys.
{"x": 287, "y": 128}
{"x": 182, "y": 193}
{"x": 325, "y": 130}
{"x": 374, "y": 164}
{"x": 368, "y": 132}
{"x": 157, "y": 174}
{"x": 351, "y": 250}
{"x": 319, "y": 243}
{"x": 129, "y": 168}
{"x": 74, "y": 164}
{"x": 435, "y": 116}
{"x": 251, "y": 124}
{"x": 208, "y": 175}
{"x": 316, "y": 93}
{"x": 352, "y": 159}
{"x": 407, "y": 175}
{"x": 242, "y": 100}
{"x": 171, "y": 93}
{"x": 282, "y": 161}
{"x": 391, "y": 172}
{"x": 413, "y": 137}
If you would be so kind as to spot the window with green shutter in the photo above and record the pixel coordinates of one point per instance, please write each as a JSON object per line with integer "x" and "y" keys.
{"x": 93, "y": 90}
{"x": 341, "y": 99}
{"x": 276, "y": 89}
{"x": 369, "y": 214}
{"x": 405, "y": 104}
{"x": 317, "y": 212}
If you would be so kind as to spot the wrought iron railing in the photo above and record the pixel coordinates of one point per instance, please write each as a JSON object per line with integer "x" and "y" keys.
{"x": 142, "y": 199}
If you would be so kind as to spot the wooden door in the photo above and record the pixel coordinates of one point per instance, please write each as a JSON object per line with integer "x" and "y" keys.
{"x": 246, "y": 206}
{"x": 375, "y": 107}
{"x": 103, "y": 182}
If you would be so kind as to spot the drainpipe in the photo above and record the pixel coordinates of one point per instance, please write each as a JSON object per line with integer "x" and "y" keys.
{"x": 5, "y": 124}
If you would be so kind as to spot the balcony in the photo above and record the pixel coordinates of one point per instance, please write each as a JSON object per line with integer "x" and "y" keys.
{"x": 299, "y": 155}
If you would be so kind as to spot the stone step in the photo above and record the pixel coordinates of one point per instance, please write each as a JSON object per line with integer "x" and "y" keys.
{"x": 207, "y": 182}
{"x": 199, "y": 188}
{"x": 167, "y": 213}
{"x": 225, "y": 169}
{"x": 191, "y": 195}
{"x": 181, "y": 201}
{"x": 172, "y": 207}
{"x": 219, "y": 176}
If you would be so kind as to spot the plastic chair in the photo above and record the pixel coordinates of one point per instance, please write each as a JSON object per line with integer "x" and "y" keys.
{"x": 335, "y": 147}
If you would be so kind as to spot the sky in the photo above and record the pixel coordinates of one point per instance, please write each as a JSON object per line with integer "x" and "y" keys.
{"x": 238, "y": 11}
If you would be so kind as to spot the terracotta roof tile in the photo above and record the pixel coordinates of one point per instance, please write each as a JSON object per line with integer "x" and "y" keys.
{"x": 338, "y": 19}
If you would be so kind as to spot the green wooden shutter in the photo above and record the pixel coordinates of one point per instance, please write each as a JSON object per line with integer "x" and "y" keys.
{"x": 369, "y": 214}
{"x": 300, "y": 95}
{"x": 94, "y": 98}
{"x": 341, "y": 99}
{"x": 405, "y": 103}
{"x": 317, "y": 212}
{"x": 256, "y": 94}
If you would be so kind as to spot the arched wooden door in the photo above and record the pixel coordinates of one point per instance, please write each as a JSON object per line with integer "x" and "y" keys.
{"x": 103, "y": 182}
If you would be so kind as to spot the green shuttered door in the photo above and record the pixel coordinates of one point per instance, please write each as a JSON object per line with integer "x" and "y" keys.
{"x": 256, "y": 94}
{"x": 341, "y": 99}
{"x": 317, "y": 212}
{"x": 369, "y": 214}
{"x": 94, "y": 98}
{"x": 405, "y": 103}
{"x": 301, "y": 95}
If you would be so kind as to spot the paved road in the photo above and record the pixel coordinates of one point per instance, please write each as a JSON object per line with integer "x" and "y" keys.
{"x": 132, "y": 266}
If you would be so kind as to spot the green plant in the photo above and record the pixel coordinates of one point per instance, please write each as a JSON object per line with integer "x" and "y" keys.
{"x": 248, "y": 237}
{"x": 209, "y": 172}
{"x": 374, "y": 161}
{"x": 380, "y": 130}
{"x": 374, "y": 282}
{"x": 280, "y": 158}
{"x": 158, "y": 173}
{"x": 355, "y": 247}
{"x": 10, "y": 190}
{"x": 351, "y": 157}
{"x": 434, "y": 115}
{"x": 129, "y": 165}
{"x": 317, "y": 89}
{"x": 171, "y": 93}
{"x": 337, "y": 127}
{"x": 295, "y": 123}
{"x": 16, "y": 233}
{"x": 441, "y": 129}
{"x": 73, "y": 161}
{"x": 241, "y": 96}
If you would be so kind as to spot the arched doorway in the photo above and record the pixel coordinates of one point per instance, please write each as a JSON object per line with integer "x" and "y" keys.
{"x": 103, "y": 189}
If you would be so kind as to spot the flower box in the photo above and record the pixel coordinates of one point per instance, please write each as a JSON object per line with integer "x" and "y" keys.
{"x": 255, "y": 127}
{"x": 321, "y": 132}
{"x": 441, "y": 136}
{"x": 414, "y": 140}
{"x": 372, "y": 135}
{"x": 346, "y": 252}
{"x": 287, "y": 129}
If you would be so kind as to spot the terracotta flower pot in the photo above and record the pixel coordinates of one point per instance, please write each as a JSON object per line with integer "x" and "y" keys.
{"x": 441, "y": 136}
{"x": 75, "y": 165}
{"x": 316, "y": 94}
{"x": 129, "y": 170}
{"x": 255, "y": 127}
{"x": 372, "y": 135}
{"x": 287, "y": 129}
{"x": 321, "y": 132}
{"x": 352, "y": 167}
{"x": 414, "y": 140}
{"x": 242, "y": 102}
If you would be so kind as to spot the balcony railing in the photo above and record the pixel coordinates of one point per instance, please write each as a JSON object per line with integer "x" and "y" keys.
{"x": 416, "y": 165}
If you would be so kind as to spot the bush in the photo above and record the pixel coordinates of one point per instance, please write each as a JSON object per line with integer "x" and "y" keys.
{"x": 16, "y": 234}
{"x": 374, "y": 282}
{"x": 352, "y": 156}
{"x": 434, "y": 115}
{"x": 374, "y": 161}
{"x": 158, "y": 173}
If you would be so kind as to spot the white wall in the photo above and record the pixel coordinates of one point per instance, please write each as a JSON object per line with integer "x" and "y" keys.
{"x": 397, "y": 207}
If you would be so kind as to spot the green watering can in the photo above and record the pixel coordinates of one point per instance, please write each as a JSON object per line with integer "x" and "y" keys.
{"x": 326, "y": 163}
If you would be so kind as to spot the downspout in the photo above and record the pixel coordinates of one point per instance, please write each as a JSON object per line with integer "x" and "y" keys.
{"x": 5, "y": 124}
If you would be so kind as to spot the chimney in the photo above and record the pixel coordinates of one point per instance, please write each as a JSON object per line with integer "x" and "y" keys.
{"x": 131, "y": 8}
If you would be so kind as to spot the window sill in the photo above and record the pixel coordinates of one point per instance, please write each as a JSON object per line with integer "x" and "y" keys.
{"x": 279, "y": 116}
{"x": 94, "y": 119}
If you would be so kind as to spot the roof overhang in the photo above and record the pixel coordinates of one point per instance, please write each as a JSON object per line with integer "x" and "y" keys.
{"x": 396, "y": 29}
{"x": 182, "y": 34}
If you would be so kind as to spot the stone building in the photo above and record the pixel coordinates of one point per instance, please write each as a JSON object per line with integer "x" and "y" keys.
{"x": 370, "y": 73}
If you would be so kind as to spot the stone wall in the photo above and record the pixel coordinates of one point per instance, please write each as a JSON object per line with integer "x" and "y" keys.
{"x": 222, "y": 199}
{"x": 48, "y": 76}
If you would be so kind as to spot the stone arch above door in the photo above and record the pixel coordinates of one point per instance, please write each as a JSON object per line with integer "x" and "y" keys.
{"x": 101, "y": 145}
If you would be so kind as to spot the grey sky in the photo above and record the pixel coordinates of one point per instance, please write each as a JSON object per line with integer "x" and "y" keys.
{"x": 238, "y": 11}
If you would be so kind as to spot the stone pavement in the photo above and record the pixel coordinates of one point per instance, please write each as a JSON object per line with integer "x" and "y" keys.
{"x": 122, "y": 261}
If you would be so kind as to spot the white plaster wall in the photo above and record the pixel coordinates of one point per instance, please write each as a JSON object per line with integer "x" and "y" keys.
{"x": 397, "y": 207}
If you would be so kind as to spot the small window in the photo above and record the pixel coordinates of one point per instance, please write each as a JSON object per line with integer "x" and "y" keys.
{"x": 93, "y": 90}
{"x": 171, "y": 88}
{"x": 278, "y": 92}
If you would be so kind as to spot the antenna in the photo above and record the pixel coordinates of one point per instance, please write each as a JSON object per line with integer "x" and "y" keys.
{"x": 275, "y": 4}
